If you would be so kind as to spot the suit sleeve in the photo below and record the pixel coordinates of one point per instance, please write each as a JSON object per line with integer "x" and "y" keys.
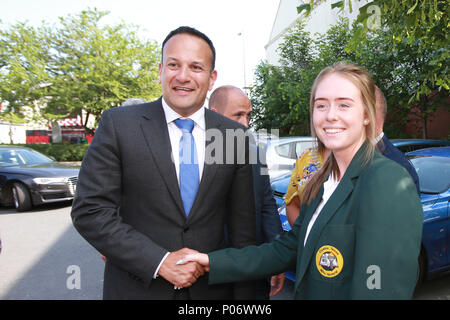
{"x": 242, "y": 221}
{"x": 241, "y": 209}
{"x": 255, "y": 262}
{"x": 96, "y": 208}
{"x": 271, "y": 223}
{"x": 388, "y": 236}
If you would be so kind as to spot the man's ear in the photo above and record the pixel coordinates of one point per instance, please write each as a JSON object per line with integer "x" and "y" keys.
{"x": 212, "y": 79}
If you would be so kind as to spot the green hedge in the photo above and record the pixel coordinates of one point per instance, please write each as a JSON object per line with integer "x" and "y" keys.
{"x": 61, "y": 152}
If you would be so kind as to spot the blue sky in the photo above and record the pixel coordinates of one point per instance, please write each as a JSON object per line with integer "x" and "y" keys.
{"x": 222, "y": 21}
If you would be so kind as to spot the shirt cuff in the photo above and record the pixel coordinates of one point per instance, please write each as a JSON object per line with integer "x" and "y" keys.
{"x": 155, "y": 275}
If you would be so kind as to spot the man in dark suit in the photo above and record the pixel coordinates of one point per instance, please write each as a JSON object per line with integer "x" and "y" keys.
{"x": 233, "y": 103}
{"x": 384, "y": 145}
{"x": 147, "y": 189}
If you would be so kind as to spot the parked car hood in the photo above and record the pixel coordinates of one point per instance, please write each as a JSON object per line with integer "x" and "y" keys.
{"x": 280, "y": 184}
{"x": 45, "y": 169}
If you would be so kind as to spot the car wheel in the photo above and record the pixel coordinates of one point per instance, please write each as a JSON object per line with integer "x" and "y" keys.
{"x": 21, "y": 197}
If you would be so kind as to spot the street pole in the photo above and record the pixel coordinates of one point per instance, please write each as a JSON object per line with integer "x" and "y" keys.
{"x": 243, "y": 60}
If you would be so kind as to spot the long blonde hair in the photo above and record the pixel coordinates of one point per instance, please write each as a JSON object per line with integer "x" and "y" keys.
{"x": 360, "y": 77}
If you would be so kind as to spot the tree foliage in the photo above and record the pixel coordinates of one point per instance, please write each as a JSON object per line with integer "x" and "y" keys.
{"x": 404, "y": 76}
{"x": 280, "y": 95}
{"x": 79, "y": 65}
{"x": 419, "y": 23}
{"x": 24, "y": 57}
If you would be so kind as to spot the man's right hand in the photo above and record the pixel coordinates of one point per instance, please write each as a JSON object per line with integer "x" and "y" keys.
{"x": 180, "y": 275}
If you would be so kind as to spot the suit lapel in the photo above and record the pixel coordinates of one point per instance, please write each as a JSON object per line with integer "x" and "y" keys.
{"x": 154, "y": 128}
{"x": 341, "y": 193}
{"x": 306, "y": 250}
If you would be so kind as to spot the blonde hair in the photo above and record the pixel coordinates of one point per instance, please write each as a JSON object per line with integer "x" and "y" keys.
{"x": 360, "y": 77}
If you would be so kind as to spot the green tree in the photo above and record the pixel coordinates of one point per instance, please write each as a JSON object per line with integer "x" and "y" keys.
{"x": 268, "y": 99}
{"x": 99, "y": 67}
{"x": 280, "y": 94}
{"x": 24, "y": 57}
{"x": 421, "y": 23}
{"x": 404, "y": 76}
{"x": 80, "y": 65}
{"x": 403, "y": 70}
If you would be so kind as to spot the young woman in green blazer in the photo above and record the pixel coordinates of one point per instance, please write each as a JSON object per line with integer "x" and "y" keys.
{"x": 359, "y": 232}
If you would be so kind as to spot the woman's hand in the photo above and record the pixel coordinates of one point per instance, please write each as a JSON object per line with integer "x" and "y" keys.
{"x": 200, "y": 258}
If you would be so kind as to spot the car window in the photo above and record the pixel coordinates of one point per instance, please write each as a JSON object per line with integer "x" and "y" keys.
{"x": 404, "y": 149}
{"x": 283, "y": 150}
{"x": 421, "y": 146}
{"x": 9, "y": 157}
{"x": 300, "y": 147}
{"x": 413, "y": 147}
{"x": 12, "y": 157}
{"x": 433, "y": 172}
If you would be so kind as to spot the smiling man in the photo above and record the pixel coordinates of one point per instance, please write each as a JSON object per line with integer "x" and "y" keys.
{"x": 145, "y": 193}
{"x": 187, "y": 72}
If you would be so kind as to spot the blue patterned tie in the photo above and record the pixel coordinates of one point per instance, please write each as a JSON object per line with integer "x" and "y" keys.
{"x": 189, "y": 176}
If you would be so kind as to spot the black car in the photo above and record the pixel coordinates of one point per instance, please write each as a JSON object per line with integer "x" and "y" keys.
{"x": 28, "y": 178}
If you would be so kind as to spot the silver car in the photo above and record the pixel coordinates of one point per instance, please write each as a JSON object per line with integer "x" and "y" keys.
{"x": 282, "y": 153}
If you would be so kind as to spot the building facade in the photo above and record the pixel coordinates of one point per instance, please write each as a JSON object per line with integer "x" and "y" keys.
{"x": 321, "y": 18}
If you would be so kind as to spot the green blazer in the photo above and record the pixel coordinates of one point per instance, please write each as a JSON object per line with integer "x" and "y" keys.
{"x": 364, "y": 244}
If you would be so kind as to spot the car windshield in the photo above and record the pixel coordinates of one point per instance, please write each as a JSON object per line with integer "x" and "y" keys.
{"x": 15, "y": 157}
{"x": 433, "y": 172}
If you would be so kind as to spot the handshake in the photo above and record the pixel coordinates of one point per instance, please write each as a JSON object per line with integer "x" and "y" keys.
{"x": 182, "y": 268}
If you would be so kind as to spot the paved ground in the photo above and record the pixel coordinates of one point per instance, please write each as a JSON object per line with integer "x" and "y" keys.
{"x": 44, "y": 257}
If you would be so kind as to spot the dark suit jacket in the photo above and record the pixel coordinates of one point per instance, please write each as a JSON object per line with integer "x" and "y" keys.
{"x": 390, "y": 151}
{"x": 128, "y": 204}
{"x": 373, "y": 219}
{"x": 268, "y": 223}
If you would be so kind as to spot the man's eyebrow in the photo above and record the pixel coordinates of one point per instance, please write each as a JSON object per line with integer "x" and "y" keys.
{"x": 198, "y": 63}
{"x": 171, "y": 58}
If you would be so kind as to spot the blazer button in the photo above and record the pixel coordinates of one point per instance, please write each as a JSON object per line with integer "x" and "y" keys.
{"x": 186, "y": 229}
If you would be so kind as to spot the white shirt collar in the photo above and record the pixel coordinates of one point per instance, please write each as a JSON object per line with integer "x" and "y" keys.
{"x": 198, "y": 117}
{"x": 380, "y": 136}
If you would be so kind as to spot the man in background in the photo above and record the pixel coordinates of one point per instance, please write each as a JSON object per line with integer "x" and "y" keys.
{"x": 384, "y": 145}
{"x": 233, "y": 103}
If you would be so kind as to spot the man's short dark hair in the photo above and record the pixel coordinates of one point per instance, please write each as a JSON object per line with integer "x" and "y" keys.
{"x": 196, "y": 33}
